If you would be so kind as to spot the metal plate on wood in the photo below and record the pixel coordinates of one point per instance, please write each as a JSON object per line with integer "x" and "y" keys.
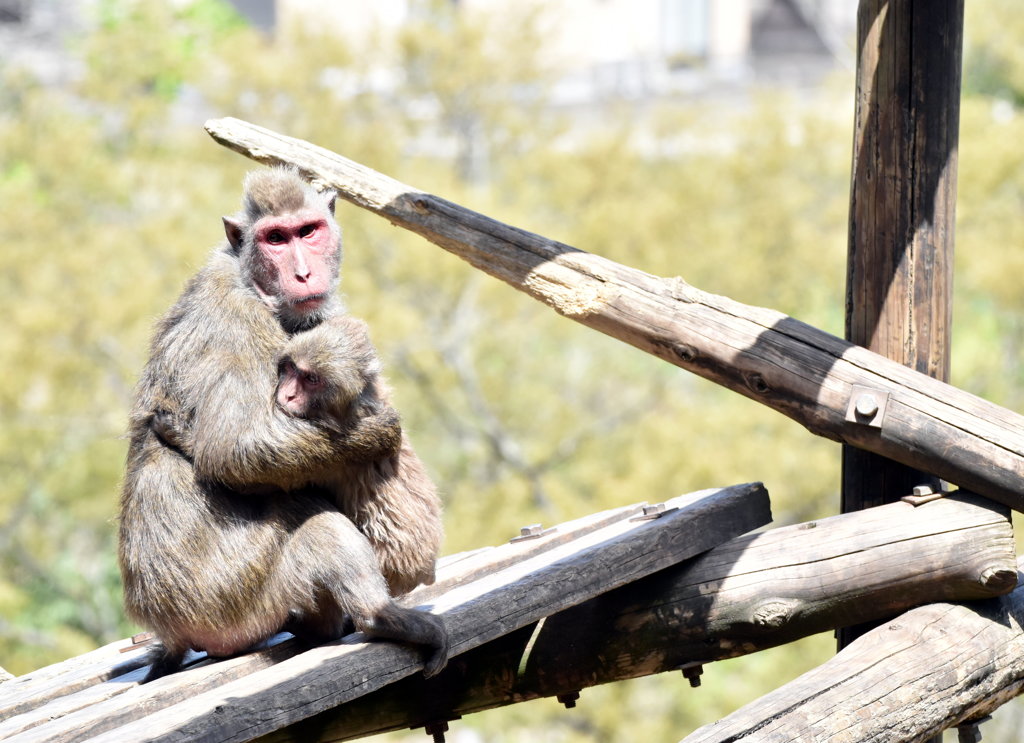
{"x": 867, "y": 406}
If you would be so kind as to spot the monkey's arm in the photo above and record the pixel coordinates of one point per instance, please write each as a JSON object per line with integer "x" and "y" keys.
{"x": 241, "y": 438}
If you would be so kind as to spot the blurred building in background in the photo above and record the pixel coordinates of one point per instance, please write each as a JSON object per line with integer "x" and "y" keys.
{"x": 636, "y": 49}
{"x": 626, "y": 49}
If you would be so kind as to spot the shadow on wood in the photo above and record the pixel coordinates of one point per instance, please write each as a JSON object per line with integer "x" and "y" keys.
{"x": 751, "y": 593}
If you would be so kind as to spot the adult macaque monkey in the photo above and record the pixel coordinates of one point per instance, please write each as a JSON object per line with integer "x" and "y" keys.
{"x": 331, "y": 374}
{"x": 220, "y": 551}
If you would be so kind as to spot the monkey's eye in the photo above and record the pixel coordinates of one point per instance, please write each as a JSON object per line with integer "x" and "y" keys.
{"x": 306, "y": 230}
{"x": 311, "y": 378}
{"x": 275, "y": 237}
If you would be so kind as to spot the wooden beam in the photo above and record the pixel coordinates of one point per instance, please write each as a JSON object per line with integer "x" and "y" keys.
{"x": 754, "y": 592}
{"x": 220, "y": 702}
{"x": 902, "y": 208}
{"x": 903, "y": 190}
{"x": 809, "y": 375}
{"x": 930, "y": 669}
{"x": 80, "y": 680}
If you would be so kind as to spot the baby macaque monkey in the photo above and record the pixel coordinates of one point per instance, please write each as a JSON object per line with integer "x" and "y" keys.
{"x": 331, "y": 375}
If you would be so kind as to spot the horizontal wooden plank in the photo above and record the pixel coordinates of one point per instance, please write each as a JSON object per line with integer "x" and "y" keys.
{"x": 753, "y": 592}
{"x": 236, "y": 701}
{"x": 791, "y": 367}
{"x": 34, "y": 689}
{"x": 71, "y": 683}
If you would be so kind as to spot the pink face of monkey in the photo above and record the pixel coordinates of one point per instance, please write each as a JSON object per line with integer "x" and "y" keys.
{"x": 298, "y": 389}
{"x": 297, "y": 258}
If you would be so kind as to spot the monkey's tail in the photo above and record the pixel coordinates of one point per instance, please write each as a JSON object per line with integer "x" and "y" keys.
{"x": 163, "y": 661}
{"x": 395, "y": 622}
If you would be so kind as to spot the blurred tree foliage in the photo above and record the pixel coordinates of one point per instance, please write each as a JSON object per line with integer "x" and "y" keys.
{"x": 111, "y": 196}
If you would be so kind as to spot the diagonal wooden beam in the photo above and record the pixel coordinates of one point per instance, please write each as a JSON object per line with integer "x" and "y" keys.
{"x": 836, "y": 389}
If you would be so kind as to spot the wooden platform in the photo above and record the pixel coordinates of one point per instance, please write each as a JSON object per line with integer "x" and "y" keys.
{"x": 483, "y": 595}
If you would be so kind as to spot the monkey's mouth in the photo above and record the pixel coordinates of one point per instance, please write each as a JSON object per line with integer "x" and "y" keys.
{"x": 308, "y": 304}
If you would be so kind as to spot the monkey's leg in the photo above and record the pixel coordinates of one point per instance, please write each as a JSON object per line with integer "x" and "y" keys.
{"x": 328, "y": 550}
{"x": 324, "y": 623}
{"x": 398, "y": 509}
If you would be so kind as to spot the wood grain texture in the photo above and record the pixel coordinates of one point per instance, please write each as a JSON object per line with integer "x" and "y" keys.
{"x": 241, "y": 698}
{"x": 927, "y": 670}
{"x": 751, "y": 593}
{"x": 800, "y": 371}
{"x": 902, "y": 209}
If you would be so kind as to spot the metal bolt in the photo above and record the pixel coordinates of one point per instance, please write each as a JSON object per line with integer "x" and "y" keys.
{"x": 969, "y": 731}
{"x": 920, "y": 490}
{"x": 867, "y": 406}
{"x": 568, "y": 698}
{"x": 692, "y": 671}
{"x": 437, "y": 730}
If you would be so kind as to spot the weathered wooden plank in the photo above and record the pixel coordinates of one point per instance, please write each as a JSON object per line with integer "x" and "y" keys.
{"x": 33, "y": 689}
{"x": 751, "y": 593}
{"x": 492, "y": 559}
{"x": 793, "y": 368}
{"x": 927, "y": 670}
{"x": 899, "y": 278}
{"x": 477, "y": 612}
{"x": 57, "y": 691}
{"x": 902, "y": 207}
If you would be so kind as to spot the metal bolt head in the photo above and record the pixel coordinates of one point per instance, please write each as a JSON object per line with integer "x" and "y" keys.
{"x": 920, "y": 490}
{"x": 569, "y": 699}
{"x": 867, "y": 406}
{"x": 533, "y": 530}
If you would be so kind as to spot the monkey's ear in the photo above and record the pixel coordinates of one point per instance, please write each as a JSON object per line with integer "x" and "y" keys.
{"x": 330, "y": 197}
{"x": 233, "y": 229}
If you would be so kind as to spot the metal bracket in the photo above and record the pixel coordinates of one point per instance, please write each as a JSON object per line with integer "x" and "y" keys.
{"x": 533, "y": 531}
{"x": 142, "y": 638}
{"x": 652, "y": 511}
{"x": 922, "y": 494}
{"x": 867, "y": 406}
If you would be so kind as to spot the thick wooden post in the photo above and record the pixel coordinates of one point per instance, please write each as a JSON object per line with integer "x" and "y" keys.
{"x": 902, "y": 207}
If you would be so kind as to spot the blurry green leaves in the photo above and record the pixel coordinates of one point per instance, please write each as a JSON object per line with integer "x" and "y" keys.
{"x": 994, "y": 55}
{"x": 143, "y": 52}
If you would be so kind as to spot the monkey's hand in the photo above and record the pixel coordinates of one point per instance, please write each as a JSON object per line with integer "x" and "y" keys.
{"x": 371, "y": 437}
{"x": 165, "y": 425}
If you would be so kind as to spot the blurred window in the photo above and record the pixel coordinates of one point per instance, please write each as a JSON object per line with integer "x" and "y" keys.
{"x": 685, "y": 24}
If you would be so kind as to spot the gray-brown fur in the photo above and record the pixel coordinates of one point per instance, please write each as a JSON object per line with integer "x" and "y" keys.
{"x": 392, "y": 499}
{"x": 222, "y": 549}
